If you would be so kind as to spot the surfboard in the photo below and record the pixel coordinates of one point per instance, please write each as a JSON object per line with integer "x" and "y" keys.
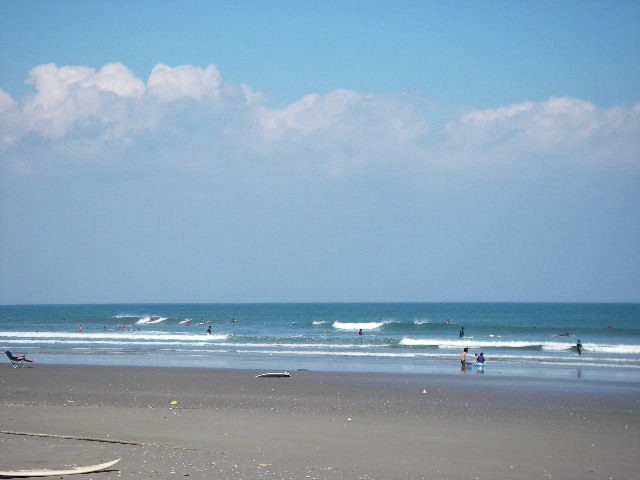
{"x": 64, "y": 471}
{"x": 273, "y": 374}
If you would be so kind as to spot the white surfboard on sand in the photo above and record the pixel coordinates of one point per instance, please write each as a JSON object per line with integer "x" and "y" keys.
{"x": 64, "y": 471}
{"x": 273, "y": 374}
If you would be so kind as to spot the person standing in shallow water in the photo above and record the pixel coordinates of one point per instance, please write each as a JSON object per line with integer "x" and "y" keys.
{"x": 463, "y": 357}
{"x": 579, "y": 347}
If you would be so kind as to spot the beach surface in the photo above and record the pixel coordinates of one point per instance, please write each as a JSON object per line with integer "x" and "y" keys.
{"x": 213, "y": 423}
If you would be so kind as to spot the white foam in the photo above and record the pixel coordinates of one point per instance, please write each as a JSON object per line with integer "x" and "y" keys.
{"x": 341, "y": 353}
{"x": 112, "y": 342}
{"x": 149, "y": 320}
{"x": 130, "y": 335}
{"x": 621, "y": 349}
{"x": 358, "y": 326}
{"x": 303, "y": 345}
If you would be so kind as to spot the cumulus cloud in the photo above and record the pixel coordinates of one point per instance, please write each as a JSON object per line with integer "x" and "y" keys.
{"x": 573, "y": 129}
{"x": 311, "y": 113}
{"x": 339, "y": 131}
{"x": 69, "y": 94}
{"x": 11, "y": 121}
{"x": 6, "y": 102}
{"x": 184, "y": 81}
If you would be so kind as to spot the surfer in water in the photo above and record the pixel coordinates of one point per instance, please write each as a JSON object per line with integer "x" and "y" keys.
{"x": 462, "y": 332}
{"x": 360, "y": 332}
{"x": 579, "y": 347}
{"x": 209, "y": 330}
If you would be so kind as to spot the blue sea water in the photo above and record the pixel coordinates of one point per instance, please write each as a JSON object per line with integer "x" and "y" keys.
{"x": 531, "y": 339}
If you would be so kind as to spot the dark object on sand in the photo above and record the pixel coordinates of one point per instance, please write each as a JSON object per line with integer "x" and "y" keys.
{"x": 17, "y": 361}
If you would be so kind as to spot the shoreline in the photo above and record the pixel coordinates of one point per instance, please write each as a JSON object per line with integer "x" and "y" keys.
{"x": 325, "y": 425}
{"x": 495, "y": 368}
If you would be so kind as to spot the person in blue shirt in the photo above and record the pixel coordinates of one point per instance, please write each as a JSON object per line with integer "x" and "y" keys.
{"x": 480, "y": 358}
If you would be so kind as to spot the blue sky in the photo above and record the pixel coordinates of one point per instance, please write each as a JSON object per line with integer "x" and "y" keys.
{"x": 319, "y": 151}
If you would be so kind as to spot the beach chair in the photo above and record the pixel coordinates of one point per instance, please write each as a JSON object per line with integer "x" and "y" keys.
{"x": 16, "y": 362}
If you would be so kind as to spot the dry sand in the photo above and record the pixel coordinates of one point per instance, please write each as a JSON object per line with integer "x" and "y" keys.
{"x": 229, "y": 424}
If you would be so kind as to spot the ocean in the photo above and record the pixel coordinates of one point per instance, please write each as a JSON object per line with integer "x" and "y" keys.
{"x": 520, "y": 339}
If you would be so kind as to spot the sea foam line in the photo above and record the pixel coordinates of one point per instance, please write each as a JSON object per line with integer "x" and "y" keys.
{"x": 358, "y": 326}
{"x": 136, "y": 335}
{"x": 202, "y": 340}
{"x": 488, "y": 344}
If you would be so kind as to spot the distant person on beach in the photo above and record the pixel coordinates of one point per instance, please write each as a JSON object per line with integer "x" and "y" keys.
{"x": 209, "y": 330}
{"x": 579, "y": 347}
{"x": 79, "y": 328}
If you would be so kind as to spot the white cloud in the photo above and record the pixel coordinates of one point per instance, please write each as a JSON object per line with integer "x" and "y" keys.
{"x": 116, "y": 78}
{"x": 6, "y": 102}
{"x": 559, "y": 127}
{"x": 69, "y": 94}
{"x": 340, "y": 131}
{"x": 11, "y": 121}
{"x": 184, "y": 81}
{"x": 311, "y": 113}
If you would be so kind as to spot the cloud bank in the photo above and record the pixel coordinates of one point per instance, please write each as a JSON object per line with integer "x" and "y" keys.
{"x": 79, "y": 112}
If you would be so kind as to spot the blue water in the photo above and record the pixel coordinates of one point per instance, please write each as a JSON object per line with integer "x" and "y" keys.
{"x": 517, "y": 338}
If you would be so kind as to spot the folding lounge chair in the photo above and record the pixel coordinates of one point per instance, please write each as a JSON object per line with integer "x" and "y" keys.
{"x": 16, "y": 361}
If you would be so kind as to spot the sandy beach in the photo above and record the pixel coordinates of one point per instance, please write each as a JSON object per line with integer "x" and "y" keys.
{"x": 210, "y": 423}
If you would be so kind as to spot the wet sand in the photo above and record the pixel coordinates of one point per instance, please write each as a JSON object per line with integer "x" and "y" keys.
{"x": 229, "y": 424}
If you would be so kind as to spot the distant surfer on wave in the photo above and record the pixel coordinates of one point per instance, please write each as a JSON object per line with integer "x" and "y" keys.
{"x": 360, "y": 332}
{"x": 579, "y": 347}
